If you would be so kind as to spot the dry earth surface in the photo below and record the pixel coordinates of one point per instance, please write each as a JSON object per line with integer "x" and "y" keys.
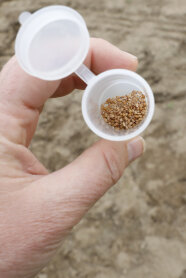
{"x": 138, "y": 229}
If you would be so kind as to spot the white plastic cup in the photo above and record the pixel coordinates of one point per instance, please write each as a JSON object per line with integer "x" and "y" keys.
{"x": 111, "y": 83}
{"x": 53, "y": 42}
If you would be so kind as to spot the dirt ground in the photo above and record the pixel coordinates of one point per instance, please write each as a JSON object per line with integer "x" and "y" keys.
{"x": 138, "y": 229}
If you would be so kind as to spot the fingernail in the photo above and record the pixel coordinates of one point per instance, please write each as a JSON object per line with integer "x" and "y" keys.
{"x": 136, "y": 148}
{"x": 133, "y": 57}
{"x": 133, "y": 62}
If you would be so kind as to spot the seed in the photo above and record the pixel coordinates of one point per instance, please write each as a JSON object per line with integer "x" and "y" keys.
{"x": 125, "y": 112}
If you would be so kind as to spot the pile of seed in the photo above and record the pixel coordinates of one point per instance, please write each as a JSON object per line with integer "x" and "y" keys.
{"x": 124, "y": 112}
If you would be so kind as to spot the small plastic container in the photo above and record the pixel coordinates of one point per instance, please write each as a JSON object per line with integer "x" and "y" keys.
{"x": 53, "y": 43}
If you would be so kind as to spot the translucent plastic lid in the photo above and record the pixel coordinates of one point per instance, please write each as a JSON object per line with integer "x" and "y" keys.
{"x": 52, "y": 43}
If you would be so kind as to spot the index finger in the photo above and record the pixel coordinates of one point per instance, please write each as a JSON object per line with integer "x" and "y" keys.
{"x": 22, "y": 95}
{"x": 102, "y": 56}
{"x": 17, "y": 87}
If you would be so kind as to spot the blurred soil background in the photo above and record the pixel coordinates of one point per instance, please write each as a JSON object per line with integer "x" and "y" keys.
{"x": 138, "y": 229}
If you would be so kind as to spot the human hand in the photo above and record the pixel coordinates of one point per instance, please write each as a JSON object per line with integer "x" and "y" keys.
{"x": 38, "y": 209}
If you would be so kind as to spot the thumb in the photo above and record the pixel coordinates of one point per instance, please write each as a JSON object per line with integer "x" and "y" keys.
{"x": 66, "y": 195}
{"x": 47, "y": 209}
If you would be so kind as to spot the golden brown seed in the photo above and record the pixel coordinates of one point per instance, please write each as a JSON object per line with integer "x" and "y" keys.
{"x": 124, "y": 112}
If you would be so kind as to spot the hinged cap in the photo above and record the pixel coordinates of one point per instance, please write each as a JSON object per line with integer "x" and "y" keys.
{"x": 52, "y": 43}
